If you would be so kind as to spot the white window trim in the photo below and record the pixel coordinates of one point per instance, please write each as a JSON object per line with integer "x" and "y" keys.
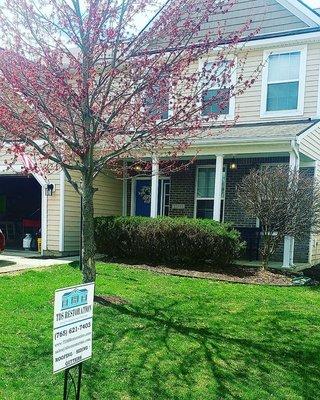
{"x": 223, "y": 196}
{"x": 302, "y": 82}
{"x": 232, "y": 100}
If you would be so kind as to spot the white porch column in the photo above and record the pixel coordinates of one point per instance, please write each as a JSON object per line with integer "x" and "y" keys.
{"x": 218, "y": 188}
{"x": 288, "y": 248}
{"x": 288, "y": 251}
{"x": 154, "y": 187}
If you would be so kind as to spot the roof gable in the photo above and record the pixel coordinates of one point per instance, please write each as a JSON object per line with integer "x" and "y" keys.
{"x": 269, "y": 16}
{"x": 302, "y": 11}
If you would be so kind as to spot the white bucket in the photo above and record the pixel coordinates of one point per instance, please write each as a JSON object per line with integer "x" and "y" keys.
{"x": 26, "y": 243}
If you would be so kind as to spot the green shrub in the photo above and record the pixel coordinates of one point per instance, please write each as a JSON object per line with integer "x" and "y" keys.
{"x": 167, "y": 240}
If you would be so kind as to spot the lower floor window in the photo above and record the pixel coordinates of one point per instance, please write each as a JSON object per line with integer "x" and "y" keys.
{"x": 205, "y": 192}
{"x": 205, "y": 209}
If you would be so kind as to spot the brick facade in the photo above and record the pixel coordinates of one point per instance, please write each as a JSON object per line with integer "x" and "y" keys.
{"x": 182, "y": 196}
{"x": 182, "y": 191}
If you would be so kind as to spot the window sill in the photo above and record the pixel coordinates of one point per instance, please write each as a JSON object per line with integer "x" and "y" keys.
{"x": 282, "y": 113}
{"x": 208, "y": 120}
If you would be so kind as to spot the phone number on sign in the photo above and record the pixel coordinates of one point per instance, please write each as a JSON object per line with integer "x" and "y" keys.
{"x": 74, "y": 329}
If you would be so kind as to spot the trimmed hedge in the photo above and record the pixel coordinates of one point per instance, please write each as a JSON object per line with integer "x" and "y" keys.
{"x": 167, "y": 240}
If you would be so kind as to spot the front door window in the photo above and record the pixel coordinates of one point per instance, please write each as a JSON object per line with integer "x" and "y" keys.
{"x": 165, "y": 207}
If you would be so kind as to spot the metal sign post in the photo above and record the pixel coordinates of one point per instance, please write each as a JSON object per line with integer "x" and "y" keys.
{"x": 69, "y": 385}
{"x": 72, "y": 334}
{"x": 81, "y": 233}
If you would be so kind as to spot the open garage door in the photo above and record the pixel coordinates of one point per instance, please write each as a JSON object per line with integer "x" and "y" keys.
{"x": 20, "y": 209}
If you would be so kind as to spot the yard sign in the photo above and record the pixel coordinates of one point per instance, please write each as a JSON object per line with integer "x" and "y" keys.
{"x": 72, "y": 326}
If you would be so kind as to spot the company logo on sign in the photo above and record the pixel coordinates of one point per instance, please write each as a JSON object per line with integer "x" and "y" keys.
{"x": 76, "y": 298}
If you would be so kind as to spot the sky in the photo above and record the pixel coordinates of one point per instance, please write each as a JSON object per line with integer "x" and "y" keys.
{"x": 313, "y": 3}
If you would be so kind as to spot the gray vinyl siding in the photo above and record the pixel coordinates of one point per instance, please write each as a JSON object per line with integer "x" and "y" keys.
{"x": 267, "y": 15}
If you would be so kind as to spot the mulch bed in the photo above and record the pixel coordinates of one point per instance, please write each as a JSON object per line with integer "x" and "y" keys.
{"x": 234, "y": 273}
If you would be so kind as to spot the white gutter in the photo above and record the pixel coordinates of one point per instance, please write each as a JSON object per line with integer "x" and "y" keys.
{"x": 302, "y": 37}
{"x": 268, "y": 140}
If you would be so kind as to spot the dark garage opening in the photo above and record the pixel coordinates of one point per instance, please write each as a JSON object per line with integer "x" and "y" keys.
{"x": 20, "y": 209}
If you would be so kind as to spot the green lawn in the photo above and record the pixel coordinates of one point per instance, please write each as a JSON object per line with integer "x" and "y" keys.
{"x": 177, "y": 338}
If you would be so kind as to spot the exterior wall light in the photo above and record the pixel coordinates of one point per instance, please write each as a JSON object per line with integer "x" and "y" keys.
{"x": 49, "y": 189}
{"x": 137, "y": 168}
{"x": 233, "y": 165}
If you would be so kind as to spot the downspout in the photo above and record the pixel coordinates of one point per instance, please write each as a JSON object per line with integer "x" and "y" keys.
{"x": 295, "y": 145}
{"x": 295, "y": 149}
{"x": 288, "y": 246}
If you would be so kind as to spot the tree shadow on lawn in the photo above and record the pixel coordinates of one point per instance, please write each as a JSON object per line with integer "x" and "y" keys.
{"x": 6, "y": 263}
{"x": 160, "y": 357}
{"x": 231, "y": 269}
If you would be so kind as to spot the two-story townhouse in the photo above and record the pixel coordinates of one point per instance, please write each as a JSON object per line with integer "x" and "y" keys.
{"x": 278, "y": 123}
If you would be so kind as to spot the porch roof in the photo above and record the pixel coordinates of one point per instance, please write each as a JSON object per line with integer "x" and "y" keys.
{"x": 257, "y": 132}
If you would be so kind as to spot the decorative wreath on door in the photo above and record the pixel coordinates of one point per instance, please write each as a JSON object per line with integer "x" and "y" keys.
{"x": 145, "y": 194}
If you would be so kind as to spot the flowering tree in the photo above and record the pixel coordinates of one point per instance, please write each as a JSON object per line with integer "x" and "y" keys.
{"x": 287, "y": 203}
{"x": 81, "y": 89}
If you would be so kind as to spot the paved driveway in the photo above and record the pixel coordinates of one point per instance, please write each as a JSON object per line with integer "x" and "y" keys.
{"x": 12, "y": 261}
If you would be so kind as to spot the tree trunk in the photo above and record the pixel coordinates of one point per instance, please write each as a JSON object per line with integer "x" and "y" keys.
{"x": 265, "y": 262}
{"x": 88, "y": 245}
{"x": 265, "y": 252}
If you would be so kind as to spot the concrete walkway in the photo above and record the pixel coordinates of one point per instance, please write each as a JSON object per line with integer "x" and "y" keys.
{"x": 273, "y": 265}
{"x": 13, "y": 261}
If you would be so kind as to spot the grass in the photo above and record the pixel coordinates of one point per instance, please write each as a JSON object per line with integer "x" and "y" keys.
{"x": 177, "y": 338}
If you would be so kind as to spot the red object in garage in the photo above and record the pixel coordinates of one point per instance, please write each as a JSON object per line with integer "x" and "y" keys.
{"x": 31, "y": 223}
{"x": 2, "y": 241}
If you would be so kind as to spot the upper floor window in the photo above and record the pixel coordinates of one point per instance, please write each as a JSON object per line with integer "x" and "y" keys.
{"x": 217, "y": 98}
{"x": 216, "y": 101}
{"x": 283, "y": 83}
{"x": 157, "y": 99}
{"x": 156, "y": 103}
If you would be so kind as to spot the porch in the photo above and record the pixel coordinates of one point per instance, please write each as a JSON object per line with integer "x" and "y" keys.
{"x": 207, "y": 188}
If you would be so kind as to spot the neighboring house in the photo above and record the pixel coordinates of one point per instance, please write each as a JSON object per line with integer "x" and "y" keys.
{"x": 51, "y": 204}
{"x": 279, "y": 123}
